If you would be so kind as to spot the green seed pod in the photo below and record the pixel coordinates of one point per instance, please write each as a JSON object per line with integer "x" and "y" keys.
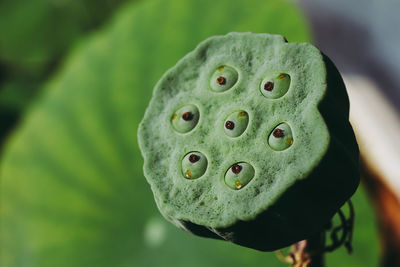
{"x": 270, "y": 178}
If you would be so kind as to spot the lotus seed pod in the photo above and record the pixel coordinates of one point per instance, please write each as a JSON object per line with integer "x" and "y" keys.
{"x": 268, "y": 156}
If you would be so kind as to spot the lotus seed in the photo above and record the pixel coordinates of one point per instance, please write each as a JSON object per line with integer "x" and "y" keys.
{"x": 278, "y": 133}
{"x": 236, "y": 123}
{"x": 269, "y": 86}
{"x": 229, "y": 125}
{"x": 185, "y": 118}
{"x": 193, "y": 158}
{"x": 221, "y": 80}
{"x": 236, "y": 168}
{"x": 224, "y": 78}
{"x": 239, "y": 175}
{"x": 281, "y": 137}
{"x": 275, "y": 85}
{"x": 194, "y": 165}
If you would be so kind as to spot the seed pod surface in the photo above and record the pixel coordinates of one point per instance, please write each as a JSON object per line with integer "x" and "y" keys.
{"x": 266, "y": 156}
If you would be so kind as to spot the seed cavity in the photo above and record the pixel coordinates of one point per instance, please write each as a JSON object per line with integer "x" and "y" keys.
{"x": 223, "y": 78}
{"x": 239, "y": 175}
{"x": 236, "y": 123}
{"x": 275, "y": 85}
{"x": 281, "y": 137}
{"x": 185, "y": 118}
{"x": 194, "y": 165}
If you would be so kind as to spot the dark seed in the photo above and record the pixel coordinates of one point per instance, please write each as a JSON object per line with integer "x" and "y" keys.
{"x": 187, "y": 116}
{"x": 278, "y": 133}
{"x": 221, "y": 80}
{"x": 229, "y": 125}
{"x": 236, "y": 168}
{"x": 193, "y": 158}
{"x": 269, "y": 86}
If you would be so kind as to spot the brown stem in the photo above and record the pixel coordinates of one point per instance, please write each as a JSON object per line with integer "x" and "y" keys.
{"x": 310, "y": 252}
{"x": 387, "y": 207}
{"x": 307, "y": 253}
{"x": 314, "y": 248}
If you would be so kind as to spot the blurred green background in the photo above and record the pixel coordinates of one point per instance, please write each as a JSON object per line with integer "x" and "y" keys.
{"x": 75, "y": 79}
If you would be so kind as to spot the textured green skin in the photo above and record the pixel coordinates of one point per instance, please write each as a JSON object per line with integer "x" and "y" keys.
{"x": 294, "y": 192}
